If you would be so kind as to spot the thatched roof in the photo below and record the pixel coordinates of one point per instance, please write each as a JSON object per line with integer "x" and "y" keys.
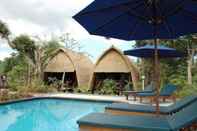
{"x": 67, "y": 60}
{"x": 113, "y": 61}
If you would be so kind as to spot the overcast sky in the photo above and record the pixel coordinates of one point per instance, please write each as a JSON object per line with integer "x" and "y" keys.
{"x": 51, "y": 17}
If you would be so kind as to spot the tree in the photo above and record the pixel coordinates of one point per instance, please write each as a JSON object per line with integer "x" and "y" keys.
{"x": 5, "y": 33}
{"x": 1, "y": 66}
{"x": 72, "y": 44}
{"x": 37, "y": 52}
{"x": 17, "y": 68}
{"x": 69, "y": 42}
{"x": 26, "y": 47}
{"x": 187, "y": 44}
{"x": 45, "y": 51}
{"x": 146, "y": 65}
{"x": 10, "y": 62}
{"x": 168, "y": 69}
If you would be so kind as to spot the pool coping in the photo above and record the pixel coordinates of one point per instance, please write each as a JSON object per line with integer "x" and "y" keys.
{"x": 88, "y": 97}
{"x": 57, "y": 97}
{"x": 81, "y": 97}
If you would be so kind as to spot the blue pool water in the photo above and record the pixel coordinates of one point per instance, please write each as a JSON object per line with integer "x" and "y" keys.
{"x": 46, "y": 114}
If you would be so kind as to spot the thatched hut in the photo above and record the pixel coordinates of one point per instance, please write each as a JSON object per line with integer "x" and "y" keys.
{"x": 113, "y": 65}
{"x": 71, "y": 67}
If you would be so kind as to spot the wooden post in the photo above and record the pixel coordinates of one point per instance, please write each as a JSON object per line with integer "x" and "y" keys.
{"x": 156, "y": 75}
{"x": 63, "y": 77}
{"x": 156, "y": 58}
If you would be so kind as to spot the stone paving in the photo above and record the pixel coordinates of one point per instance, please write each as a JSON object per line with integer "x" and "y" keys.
{"x": 94, "y": 97}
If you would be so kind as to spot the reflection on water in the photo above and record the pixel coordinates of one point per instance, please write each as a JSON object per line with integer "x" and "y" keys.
{"x": 46, "y": 115}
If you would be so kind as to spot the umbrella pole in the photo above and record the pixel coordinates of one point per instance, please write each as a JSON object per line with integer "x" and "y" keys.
{"x": 156, "y": 75}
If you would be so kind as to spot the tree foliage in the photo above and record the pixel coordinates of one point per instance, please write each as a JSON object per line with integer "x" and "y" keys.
{"x": 26, "y": 66}
{"x": 26, "y": 47}
{"x": 4, "y": 31}
{"x": 175, "y": 70}
{"x": 29, "y": 61}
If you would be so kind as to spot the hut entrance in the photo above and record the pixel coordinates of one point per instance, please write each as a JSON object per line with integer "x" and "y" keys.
{"x": 70, "y": 78}
{"x": 120, "y": 79}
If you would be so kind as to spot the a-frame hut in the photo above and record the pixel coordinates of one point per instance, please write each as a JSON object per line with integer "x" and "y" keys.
{"x": 113, "y": 65}
{"x": 74, "y": 67}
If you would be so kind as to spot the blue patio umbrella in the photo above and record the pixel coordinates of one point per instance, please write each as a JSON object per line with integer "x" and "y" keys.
{"x": 140, "y": 20}
{"x": 148, "y": 51}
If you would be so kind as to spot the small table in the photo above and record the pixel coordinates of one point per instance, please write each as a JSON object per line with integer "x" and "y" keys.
{"x": 133, "y": 93}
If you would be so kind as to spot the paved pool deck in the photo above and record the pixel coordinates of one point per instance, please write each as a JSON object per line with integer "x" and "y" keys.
{"x": 85, "y": 97}
{"x": 94, "y": 97}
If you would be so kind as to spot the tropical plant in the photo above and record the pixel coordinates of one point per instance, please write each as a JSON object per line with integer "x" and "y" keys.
{"x": 188, "y": 45}
{"x": 4, "y": 95}
{"x": 37, "y": 53}
{"x": 82, "y": 89}
{"x": 109, "y": 87}
{"x": 37, "y": 86}
{"x": 180, "y": 72}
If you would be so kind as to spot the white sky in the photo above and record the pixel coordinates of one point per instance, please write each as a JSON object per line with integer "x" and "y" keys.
{"x": 51, "y": 17}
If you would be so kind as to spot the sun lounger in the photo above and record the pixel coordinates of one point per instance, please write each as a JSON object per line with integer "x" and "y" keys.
{"x": 167, "y": 92}
{"x": 133, "y": 109}
{"x": 147, "y": 89}
{"x": 107, "y": 122}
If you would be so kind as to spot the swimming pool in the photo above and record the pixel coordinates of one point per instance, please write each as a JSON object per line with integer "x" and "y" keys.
{"x": 46, "y": 114}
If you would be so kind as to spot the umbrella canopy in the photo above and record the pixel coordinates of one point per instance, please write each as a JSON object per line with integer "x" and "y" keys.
{"x": 148, "y": 51}
{"x": 140, "y": 20}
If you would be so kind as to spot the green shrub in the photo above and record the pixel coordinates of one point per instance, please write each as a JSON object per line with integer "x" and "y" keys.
{"x": 36, "y": 87}
{"x": 187, "y": 90}
{"x": 16, "y": 77}
{"x": 183, "y": 88}
{"x": 109, "y": 87}
{"x": 17, "y": 95}
{"x": 128, "y": 86}
{"x": 55, "y": 83}
{"x": 82, "y": 89}
{"x": 4, "y": 95}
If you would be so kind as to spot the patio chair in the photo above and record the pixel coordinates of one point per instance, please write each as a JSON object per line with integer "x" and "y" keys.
{"x": 148, "y": 89}
{"x": 182, "y": 120}
{"x": 167, "y": 92}
{"x": 133, "y": 109}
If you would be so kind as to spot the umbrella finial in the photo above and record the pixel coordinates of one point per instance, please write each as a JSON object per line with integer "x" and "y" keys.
{"x": 151, "y": 2}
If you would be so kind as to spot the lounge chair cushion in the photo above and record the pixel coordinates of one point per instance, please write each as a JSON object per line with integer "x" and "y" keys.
{"x": 184, "y": 118}
{"x": 168, "y": 90}
{"x": 149, "y": 88}
{"x": 144, "y": 123}
{"x": 134, "y": 108}
{"x": 174, "y": 122}
{"x": 178, "y": 105}
{"x": 146, "y": 94}
{"x": 151, "y": 109}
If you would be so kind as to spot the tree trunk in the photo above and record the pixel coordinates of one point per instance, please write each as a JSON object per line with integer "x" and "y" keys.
{"x": 10, "y": 42}
{"x": 156, "y": 76}
{"x": 38, "y": 64}
{"x": 189, "y": 65}
{"x": 29, "y": 75}
{"x": 189, "y": 72}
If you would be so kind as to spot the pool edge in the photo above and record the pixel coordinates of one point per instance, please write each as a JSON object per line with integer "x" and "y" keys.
{"x": 54, "y": 97}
